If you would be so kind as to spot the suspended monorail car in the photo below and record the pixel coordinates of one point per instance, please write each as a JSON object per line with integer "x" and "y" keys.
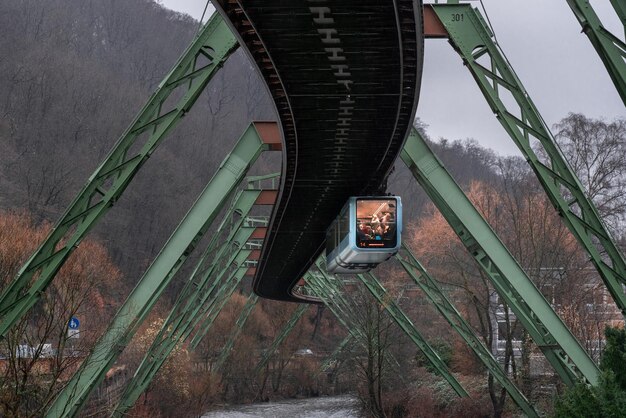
{"x": 367, "y": 232}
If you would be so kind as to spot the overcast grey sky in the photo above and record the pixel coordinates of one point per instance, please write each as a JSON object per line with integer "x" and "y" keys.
{"x": 542, "y": 39}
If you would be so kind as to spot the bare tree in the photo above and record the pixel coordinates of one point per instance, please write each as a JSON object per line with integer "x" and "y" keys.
{"x": 596, "y": 150}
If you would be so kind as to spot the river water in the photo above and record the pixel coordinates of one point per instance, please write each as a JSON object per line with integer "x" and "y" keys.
{"x": 322, "y": 407}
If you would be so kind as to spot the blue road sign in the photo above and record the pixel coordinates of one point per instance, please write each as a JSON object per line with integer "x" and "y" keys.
{"x": 74, "y": 323}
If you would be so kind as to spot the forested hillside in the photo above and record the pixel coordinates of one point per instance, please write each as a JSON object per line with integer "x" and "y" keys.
{"x": 73, "y": 75}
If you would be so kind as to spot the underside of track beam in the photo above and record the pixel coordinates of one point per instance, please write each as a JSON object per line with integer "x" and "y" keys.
{"x": 472, "y": 39}
{"x": 560, "y": 347}
{"x": 188, "y": 78}
{"x": 433, "y": 292}
{"x": 139, "y": 303}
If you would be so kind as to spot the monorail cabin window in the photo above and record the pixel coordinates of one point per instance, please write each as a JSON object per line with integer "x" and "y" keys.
{"x": 376, "y": 223}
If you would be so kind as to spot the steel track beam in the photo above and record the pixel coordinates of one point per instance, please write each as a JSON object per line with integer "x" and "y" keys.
{"x": 139, "y": 303}
{"x": 188, "y": 78}
{"x": 433, "y": 292}
{"x": 282, "y": 335}
{"x": 470, "y": 37}
{"x": 560, "y": 347}
{"x": 610, "y": 48}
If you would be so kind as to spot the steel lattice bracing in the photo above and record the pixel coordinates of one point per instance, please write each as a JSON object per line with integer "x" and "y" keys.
{"x": 433, "y": 292}
{"x": 562, "y": 350}
{"x": 199, "y": 296}
{"x": 336, "y": 352}
{"x": 190, "y": 75}
{"x": 282, "y": 335}
{"x": 474, "y": 42}
{"x": 167, "y": 339}
{"x": 159, "y": 274}
{"x": 344, "y": 77}
{"x": 612, "y": 50}
{"x": 239, "y": 324}
{"x": 332, "y": 298}
{"x": 405, "y": 324}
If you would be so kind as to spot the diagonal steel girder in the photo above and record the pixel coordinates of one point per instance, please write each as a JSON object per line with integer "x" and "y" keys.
{"x": 474, "y": 42}
{"x": 139, "y": 303}
{"x": 610, "y": 48}
{"x": 560, "y": 347}
{"x": 164, "y": 344}
{"x": 196, "y": 296}
{"x": 282, "y": 335}
{"x": 433, "y": 292}
{"x": 191, "y": 74}
{"x": 237, "y": 329}
{"x": 332, "y": 298}
{"x": 406, "y": 325}
{"x": 333, "y": 356}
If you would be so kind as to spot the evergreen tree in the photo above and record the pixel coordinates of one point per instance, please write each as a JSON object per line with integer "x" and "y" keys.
{"x": 608, "y": 399}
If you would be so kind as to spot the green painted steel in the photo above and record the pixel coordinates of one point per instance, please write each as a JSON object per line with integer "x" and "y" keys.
{"x": 333, "y": 356}
{"x": 209, "y": 313}
{"x": 611, "y": 49}
{"x": 241, "y": 322}
{"x": 620, "y": 9}
{"x": 195, "y": 295}
{"x": 159, "y": 274}
{"x": 188, "y": 78}
{"x": 404, "y": 322}
{"x": 329, "y": 292}
{"x": 282, "y": 335}
{"x": 166, "y": 341}
{"x": 562, "y": 350}
{"x": 473, "y": 41}
{"x": 433, "y": 292}
{"x": 332, "y": 298}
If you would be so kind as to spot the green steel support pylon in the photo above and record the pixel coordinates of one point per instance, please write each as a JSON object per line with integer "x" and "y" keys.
{"x": 620, "y": 9}
{"x": 282, "y": 335}
{"x": 137, "y": 306}
{"x": 560, "y": 347}
{"x": 185, "y": 315}
{"x": 209, "y": 313}
{"x": 433, "y": 292}
{"x": 611, "y": 49}
{"x": 189, "y": 77}
{"x": 342, "y": 345}
{"x": 332, "y": 298}
{"x": 471, "y": 38}
{"x": 241, "y": 322}
{"x": 406, "y": 325}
